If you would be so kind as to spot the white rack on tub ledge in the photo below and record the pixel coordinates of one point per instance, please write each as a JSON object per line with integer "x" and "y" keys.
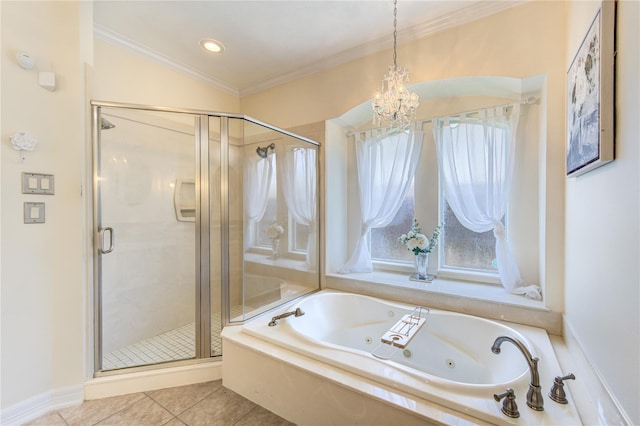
{"x": 399, "y": 336}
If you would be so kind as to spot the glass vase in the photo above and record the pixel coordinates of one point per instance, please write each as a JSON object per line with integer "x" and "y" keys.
{"x": 422, "y": 264}
{"x": 275, "y": 248}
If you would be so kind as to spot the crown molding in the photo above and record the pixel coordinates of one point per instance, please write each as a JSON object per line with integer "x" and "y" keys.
{"x": 471, "y": 13}
{"x": 119, "y": 40}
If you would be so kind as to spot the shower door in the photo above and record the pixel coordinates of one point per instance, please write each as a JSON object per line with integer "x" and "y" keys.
{"x": 179, "y": 249}
{"x": 146, "y": 166}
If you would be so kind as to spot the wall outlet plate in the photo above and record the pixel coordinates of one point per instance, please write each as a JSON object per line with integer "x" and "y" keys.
{"x": 38, "y": 183}
{"x": 33, "y": 212}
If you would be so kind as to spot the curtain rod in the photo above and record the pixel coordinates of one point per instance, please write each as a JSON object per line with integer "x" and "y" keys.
{"x": 528, "y": 101}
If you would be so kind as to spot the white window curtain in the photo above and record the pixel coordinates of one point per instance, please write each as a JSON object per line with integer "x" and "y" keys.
{"x": 386, "y": 167}
{"x": 476, "y": 157}
{"x": 297, "y": 172}
{"x": 258, "y": 173}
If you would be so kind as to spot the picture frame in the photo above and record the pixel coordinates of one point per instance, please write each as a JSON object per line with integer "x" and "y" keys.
{"x": 590, "y": 96}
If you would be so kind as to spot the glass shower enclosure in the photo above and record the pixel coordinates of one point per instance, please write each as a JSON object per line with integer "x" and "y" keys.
{"x": 201, "y": 220}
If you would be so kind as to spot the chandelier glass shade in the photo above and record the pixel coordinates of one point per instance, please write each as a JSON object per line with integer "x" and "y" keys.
{"x": 395, "y": 105}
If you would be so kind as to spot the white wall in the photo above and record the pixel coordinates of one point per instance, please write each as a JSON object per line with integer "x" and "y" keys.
{"x": 120, "y": 75}
{"x": 520, "y": 42}
{"x": 43, "y": 294}
{"x": 602, "y": 226}
{"x": 45, "y": 283}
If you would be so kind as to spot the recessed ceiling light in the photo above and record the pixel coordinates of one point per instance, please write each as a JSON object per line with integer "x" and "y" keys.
{"x": 211, "y": 45}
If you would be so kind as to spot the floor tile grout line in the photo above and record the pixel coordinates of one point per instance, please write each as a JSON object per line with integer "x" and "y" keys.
{"x": 62, "y": 418}
{"x": 173, "y": 417}
{"x": 245, "y": 415}
{"x": 127, "y": 407}
{"x": 189, "y": 407}
{"x": 106, "y": 417}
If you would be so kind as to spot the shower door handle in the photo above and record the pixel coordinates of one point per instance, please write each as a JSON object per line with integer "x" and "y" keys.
{"x": 101, "y": 232}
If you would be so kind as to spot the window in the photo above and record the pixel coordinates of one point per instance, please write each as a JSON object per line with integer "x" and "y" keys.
{"x": 299, "y": 236}
{"x": 294, "y": 236}
{"x": 459, "y": 251}
{"x": 463, "y": 249}
{"x": 473, "y": 261}
{"x": 270, "y": 215}
{"x": 384, "y": 242}
{"x": 475, "y": 175}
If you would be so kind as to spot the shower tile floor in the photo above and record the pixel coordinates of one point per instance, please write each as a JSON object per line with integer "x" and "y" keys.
{"x": 172, "y": 345}
{"x": 179, "y": 344}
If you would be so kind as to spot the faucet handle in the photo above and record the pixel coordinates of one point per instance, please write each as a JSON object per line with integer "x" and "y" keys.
{"x": 557, "y": 393}
{"x": 509, "y": 406}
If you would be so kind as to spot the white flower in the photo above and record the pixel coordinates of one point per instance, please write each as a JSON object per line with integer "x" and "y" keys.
{"x": 417, "y": 242}
{"x": 23, "y": 142}
{"x": 422, "y": 242}
{"x": 274, "y": 231}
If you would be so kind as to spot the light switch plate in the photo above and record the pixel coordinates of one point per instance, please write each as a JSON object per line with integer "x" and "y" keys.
{"x": 33, "y": 212}
{"x": 38, "y": 183}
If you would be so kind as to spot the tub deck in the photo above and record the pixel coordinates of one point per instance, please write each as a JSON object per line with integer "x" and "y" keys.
{"x": 310, "y": 384}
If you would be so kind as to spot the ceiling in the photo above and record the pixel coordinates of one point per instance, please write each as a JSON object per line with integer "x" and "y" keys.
{"x": 271, "y": 42}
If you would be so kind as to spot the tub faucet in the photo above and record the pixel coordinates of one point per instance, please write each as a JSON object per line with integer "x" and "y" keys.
{"x": 534, "y": 396}
{"x": 274, "y": 321}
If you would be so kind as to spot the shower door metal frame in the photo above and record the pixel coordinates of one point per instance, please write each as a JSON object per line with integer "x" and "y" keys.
{"x": 202, "y": 227}
{"x": 203, "y": 249}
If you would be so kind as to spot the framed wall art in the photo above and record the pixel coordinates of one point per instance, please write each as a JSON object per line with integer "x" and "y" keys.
{"x": 590, "y": 91}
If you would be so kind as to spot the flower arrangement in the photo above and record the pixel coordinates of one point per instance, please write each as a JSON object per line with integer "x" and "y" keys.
{"x": 274, "y": 231}
{"x": 417, "y": 242}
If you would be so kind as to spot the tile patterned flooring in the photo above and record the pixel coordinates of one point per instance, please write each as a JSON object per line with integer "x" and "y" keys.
{"x": 170, "y": 346}
{"x": 208, "y": 404}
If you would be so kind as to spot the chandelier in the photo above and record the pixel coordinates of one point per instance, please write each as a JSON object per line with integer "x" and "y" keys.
{"x": 395, "y": 106}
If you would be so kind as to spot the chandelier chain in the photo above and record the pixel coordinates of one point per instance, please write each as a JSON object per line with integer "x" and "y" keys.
{"x": 395, "y": 32}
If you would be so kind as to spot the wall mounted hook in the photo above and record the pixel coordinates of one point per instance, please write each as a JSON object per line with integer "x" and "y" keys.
{"x": 23, "y": 142}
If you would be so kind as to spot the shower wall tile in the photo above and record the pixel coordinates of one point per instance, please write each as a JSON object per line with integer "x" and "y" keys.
{"x": 149, "y": 278}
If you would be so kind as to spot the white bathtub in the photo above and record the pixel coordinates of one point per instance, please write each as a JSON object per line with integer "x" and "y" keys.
{"x": 447, "y": 373}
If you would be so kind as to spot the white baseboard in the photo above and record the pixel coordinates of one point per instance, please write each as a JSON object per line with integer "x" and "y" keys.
{"x": 39, "y": 405}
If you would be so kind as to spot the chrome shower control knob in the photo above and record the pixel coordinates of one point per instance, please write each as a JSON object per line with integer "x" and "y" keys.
{"x": 509, "y": 406}
{"x": 557, "y": 392}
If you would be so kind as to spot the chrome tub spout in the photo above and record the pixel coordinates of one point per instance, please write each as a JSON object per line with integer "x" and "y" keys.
{"x": 534, "y": 396}
{"x": 274, "y": 321}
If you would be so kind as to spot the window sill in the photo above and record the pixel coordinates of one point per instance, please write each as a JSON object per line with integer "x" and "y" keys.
{"x": 484, "y": 300}
{"x": 281, "y": 262}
